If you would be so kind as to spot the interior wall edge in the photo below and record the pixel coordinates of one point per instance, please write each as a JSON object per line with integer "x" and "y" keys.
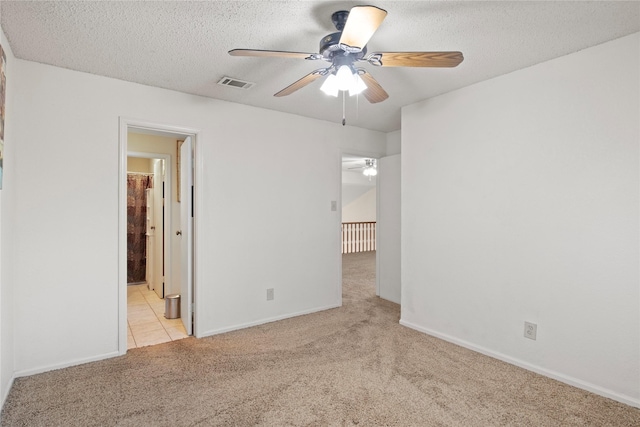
{"x": 7, "y": 213}
{"x": 6, "y": 392}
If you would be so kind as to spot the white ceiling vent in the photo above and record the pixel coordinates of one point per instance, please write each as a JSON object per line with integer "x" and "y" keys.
{"x": 239, "y": 84}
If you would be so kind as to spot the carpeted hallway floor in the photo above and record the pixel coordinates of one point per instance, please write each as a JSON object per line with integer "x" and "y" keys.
{"x": 354, "y": 365}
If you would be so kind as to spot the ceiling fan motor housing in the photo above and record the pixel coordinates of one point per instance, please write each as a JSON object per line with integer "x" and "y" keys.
{"x": 330, "y": 48}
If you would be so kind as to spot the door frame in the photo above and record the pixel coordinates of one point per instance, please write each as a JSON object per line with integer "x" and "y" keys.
{"x": 126, "y": 124}
{"x": 166, "y": 224}
{"x": 370, "y": 155}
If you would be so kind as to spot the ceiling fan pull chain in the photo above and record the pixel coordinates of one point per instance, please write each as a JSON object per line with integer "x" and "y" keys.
{"x": 344, "y": 121}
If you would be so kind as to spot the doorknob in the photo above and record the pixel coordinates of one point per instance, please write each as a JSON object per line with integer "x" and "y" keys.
{"x": 178, "y": 233}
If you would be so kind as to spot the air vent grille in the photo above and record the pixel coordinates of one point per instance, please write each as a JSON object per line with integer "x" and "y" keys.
{"x": 238, "y": 84}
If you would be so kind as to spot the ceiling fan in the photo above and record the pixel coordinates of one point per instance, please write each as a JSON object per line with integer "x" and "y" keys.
{"x": 344, "y": 48}
{"x": 369, "y": 168}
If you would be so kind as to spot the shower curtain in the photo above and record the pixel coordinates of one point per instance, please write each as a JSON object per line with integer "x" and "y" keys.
{"x": 137, "y": 226}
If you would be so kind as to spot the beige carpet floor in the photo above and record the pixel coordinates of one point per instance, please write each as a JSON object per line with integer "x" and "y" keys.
{"x": 354, "y": 365}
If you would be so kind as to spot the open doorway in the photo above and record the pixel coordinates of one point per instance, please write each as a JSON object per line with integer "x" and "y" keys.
{"x": 168, "y": 156}
{"x": 148, "y": 222}
{"x": 371, "y": 223}
{"x": 150, "y": 209}
{"x": 359, "y": 219}
{"x": 140, "y": 221}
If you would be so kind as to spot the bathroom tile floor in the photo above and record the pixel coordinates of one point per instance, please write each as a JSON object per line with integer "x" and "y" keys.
{"x": 146, "y": 324}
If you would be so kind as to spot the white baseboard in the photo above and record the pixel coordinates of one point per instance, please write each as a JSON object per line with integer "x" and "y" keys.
{"x": 74, "y": 362}
{"x": 27, "y": 372}
{"x": 627, "y": 400}
{"x": 263, "y": 321}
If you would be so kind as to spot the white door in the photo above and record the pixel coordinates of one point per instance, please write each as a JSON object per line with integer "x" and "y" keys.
{"x": 151, "y": 227}
{"x": 158, "y": 215}
{"x": 186, "y": 244}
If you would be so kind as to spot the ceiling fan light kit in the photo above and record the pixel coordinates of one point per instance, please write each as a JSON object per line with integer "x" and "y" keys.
{"x": 370, "y": 171}
{"x": 330, "y": 85}
{"x": 358, "y": 86}
{"x": 345, "y": 79}
{"x": 346, "y": 47}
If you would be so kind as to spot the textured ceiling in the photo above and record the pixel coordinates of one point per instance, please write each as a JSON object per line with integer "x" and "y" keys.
{"x": 183, "y": 45}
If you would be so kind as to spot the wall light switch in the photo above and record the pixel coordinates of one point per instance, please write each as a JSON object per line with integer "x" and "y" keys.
{"x": 334, "y": 206}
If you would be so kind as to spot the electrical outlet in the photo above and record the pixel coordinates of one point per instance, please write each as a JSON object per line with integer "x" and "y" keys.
{"x": 269, "y": 294}
{"x": 530, "y": 330}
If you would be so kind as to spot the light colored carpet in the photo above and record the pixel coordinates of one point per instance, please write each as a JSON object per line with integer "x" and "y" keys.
{"x": 349, "y": 366}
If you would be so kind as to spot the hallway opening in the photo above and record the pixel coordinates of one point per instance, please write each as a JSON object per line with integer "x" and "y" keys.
{"x": 359, "y": 213}
{"x": 163, "y": 255}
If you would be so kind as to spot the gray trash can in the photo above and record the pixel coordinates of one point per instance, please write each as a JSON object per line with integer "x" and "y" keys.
{"x": 172, "y": 306}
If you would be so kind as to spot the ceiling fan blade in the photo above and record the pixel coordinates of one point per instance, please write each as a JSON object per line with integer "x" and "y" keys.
{"x": 274, "y": 53}
{"x": 362, "y": 22}
{"x": 415, "y": 59}
{"x": 374, "y": 92}
{"x": 312, "y": 76}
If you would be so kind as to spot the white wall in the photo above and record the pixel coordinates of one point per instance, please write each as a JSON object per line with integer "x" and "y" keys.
{"x": 264, "y": 218}
{"x": 393, "y": 143}
{"x": 388, "y": 229}
{"x": 145, "y": 143}
{"x": 520, "y": 202}
{"x": 363, "y": 207}
{"x": 358, "y": 196}
{"x": 139, "y": 164}
{"x": 351, "y": 192}
{"x": 6, "y": 230}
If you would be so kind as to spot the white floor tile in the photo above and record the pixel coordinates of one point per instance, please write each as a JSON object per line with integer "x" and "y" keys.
{"x": 146, "y": 322}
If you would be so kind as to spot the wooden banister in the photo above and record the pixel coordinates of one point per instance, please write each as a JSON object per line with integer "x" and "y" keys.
{"x": 358, "y": 237}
